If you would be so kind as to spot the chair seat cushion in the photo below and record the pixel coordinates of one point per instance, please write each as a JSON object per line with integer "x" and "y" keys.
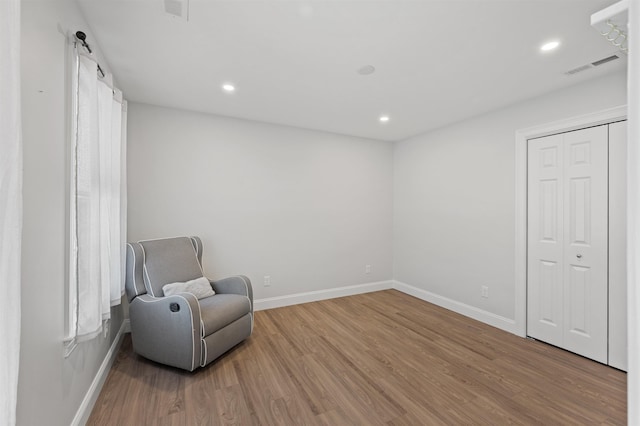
{"x": 221, "y": 310}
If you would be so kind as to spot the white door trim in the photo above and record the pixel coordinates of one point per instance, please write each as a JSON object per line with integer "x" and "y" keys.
{"x": 574, "y": 123}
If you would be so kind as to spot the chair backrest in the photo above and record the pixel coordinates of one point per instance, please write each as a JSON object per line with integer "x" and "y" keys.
{"x": 151, "y": 264}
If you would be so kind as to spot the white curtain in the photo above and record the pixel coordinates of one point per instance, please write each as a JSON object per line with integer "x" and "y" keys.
{"x": 87, "y": 208}
{"x": 105, "y": 110}
{"x": 10, "y": 207}
{"x": 116, "y": 243}
{"x": 97, "y": 266}
{"x": 123, "y": 192}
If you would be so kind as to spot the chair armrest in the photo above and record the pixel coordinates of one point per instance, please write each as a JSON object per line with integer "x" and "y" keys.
{"x": 238, "y": 284}
{"x": 167, "y": 329}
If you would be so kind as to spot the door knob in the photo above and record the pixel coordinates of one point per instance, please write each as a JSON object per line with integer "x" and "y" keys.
{"x": 579, "y": 256}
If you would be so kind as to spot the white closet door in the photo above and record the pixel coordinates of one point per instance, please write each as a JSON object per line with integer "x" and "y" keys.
{"x": 586, "y": 242}
{"x": 545, "y": 234}
{"x": 567, "y": 241}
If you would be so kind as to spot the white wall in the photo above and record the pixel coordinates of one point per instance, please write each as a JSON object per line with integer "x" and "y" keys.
{"x": 51, "y": 388}
{"x": 454, "y": 204}
{"x": 307, "y": 208}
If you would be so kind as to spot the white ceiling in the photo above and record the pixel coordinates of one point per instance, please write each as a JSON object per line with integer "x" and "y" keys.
{"x": 295, "y": 62}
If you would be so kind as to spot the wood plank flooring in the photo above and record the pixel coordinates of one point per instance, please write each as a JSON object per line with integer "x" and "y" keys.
{"x": 381, "y": 358}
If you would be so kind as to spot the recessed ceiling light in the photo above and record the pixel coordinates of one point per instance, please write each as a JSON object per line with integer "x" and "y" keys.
{"x": 384, "y": 118}
{"x": 550, "y": 46}
{"x": 228, "y": 87}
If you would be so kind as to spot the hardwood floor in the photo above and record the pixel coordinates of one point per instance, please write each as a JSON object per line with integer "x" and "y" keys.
{"x": 381, "y": 358}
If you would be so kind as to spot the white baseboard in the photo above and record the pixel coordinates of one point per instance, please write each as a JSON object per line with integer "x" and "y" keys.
{"x": 314, "y": 296}
{"x": 84, "y": 411}
{"x": 478, "y": 314}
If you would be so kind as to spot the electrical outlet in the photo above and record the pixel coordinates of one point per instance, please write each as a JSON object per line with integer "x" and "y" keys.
{"x": 484, "y": 291}
{"x": 367, "y": 269}
{"x": 267, "y": 280}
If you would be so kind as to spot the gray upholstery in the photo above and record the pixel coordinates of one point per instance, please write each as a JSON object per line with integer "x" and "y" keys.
{"x": 134, "y": 283}
{"x": 168, "y": 261}
{"x": 221, "y": 310}
{"x": 234, "y": 285}
{"x": 214, "y": 345}
{"x": 171, "y": 338}
{"x": 180, "y": 330}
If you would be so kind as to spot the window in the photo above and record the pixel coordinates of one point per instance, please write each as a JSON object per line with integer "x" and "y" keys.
{"x": 97, "y": 198}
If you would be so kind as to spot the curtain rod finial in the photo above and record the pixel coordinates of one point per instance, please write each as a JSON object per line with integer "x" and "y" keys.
{"x": 83, "y": 37}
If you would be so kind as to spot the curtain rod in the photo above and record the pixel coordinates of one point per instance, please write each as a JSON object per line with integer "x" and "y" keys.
{"x": 83, "y": 39}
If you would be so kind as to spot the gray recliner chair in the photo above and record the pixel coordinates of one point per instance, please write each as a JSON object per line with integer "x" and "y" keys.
{"x": 181, "y": 330}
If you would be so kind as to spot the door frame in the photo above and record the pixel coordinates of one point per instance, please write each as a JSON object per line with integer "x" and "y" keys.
{"x": 522, "y": 136}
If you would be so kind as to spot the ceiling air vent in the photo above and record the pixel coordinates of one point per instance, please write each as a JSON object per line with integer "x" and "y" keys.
{"x": 577, "y": 70}
{"x": 605, "y": 60}
{"x": 592, "y": 64}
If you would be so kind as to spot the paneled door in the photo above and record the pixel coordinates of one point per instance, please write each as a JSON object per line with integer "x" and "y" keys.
{"x": 567, "y": 275}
